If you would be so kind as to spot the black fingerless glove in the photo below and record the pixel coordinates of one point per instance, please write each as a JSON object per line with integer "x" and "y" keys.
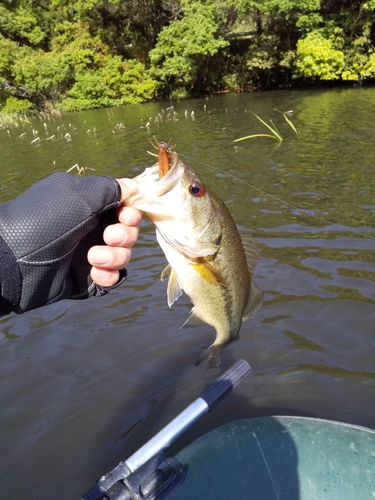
{"x": 45, "y": 235}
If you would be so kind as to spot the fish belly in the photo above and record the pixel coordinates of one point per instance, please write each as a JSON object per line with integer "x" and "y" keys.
{"x": 212, "y": 302}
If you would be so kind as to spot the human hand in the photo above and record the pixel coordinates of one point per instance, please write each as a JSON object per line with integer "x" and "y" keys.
{"x": 107, "y": 260}
{"x": 47, "y": 232}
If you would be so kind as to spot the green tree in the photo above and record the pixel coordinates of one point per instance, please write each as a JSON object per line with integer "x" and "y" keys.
{"x": 185, "y": 55}
{"x": 277, "y": 26}
{"x": 91, "y": 53}
{"x": 114, "y": 84}
{"x": 317, "y": 58}
{"x": 76, "y": 69}
{"x": 20, "y": 25}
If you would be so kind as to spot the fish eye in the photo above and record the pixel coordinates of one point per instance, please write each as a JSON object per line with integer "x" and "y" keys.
{"x": 196, "y": 189}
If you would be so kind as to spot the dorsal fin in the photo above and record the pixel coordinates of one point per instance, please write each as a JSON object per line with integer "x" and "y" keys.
{"x": 251, "y": 252}
{"x": 254, "y": 302}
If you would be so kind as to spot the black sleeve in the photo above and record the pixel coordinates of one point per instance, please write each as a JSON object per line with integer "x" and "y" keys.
{"x": 44, "y": 237}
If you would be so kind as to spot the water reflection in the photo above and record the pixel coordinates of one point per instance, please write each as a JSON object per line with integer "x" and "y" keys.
{"x": 84, "y": 384}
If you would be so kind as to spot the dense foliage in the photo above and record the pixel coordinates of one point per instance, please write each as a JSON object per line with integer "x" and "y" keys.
{"x": 92, "y": 53}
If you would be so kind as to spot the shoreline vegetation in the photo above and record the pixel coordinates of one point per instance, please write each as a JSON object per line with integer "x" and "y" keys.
{"x": 61, "y": 55}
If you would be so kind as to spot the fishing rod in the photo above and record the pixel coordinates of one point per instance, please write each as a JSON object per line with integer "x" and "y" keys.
{"x": 148, "y": 473}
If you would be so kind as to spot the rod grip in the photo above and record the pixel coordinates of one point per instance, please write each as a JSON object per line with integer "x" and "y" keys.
{"x": 224, "y": 384}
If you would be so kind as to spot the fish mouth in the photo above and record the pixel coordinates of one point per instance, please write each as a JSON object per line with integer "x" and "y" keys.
{"x": 169, "y": 180}
{"x": 151, "y": 187}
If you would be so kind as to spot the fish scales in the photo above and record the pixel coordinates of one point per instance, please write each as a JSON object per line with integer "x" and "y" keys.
{"x": 206, "y": 256}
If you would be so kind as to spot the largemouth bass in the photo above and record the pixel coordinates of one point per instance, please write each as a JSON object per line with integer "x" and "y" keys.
{"x": 207, "y": 258}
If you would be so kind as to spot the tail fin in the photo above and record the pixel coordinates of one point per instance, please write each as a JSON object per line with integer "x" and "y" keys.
{"x": 213, "y": 355}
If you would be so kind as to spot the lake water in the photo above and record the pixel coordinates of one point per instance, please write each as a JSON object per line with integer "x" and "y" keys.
{"x": 85, "y": 384}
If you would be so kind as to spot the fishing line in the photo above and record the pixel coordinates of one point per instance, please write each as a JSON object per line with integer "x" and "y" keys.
{"x": 306, "y": 212}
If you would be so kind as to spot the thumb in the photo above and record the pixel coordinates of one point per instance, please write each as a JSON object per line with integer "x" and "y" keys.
{"x": 128, "y": 188}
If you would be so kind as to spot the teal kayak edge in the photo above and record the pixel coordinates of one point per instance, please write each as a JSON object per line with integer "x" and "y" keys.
{"x": 281, "y": 458}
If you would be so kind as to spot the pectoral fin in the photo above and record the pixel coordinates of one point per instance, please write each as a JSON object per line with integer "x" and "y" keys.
{"x": 209, "y": 273}
{"x": 174, "y": 290}
{"x": 254, "y": 302}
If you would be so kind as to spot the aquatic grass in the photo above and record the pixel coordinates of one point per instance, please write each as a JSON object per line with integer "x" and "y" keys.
{"x": 288, "y": 120}
{"x": 12, "y": 119}
{"x": 275, "y": 134}
{"x": 50, "y": 114}
{"x": 80, "y": 170}
{"x": 17, "y": 118}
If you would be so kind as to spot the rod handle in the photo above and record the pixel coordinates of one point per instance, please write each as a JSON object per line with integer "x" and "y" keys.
{"x": 224, "y": 384}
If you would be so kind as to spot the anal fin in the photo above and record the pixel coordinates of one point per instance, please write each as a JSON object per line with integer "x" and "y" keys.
{"x": 193, "y": 320}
